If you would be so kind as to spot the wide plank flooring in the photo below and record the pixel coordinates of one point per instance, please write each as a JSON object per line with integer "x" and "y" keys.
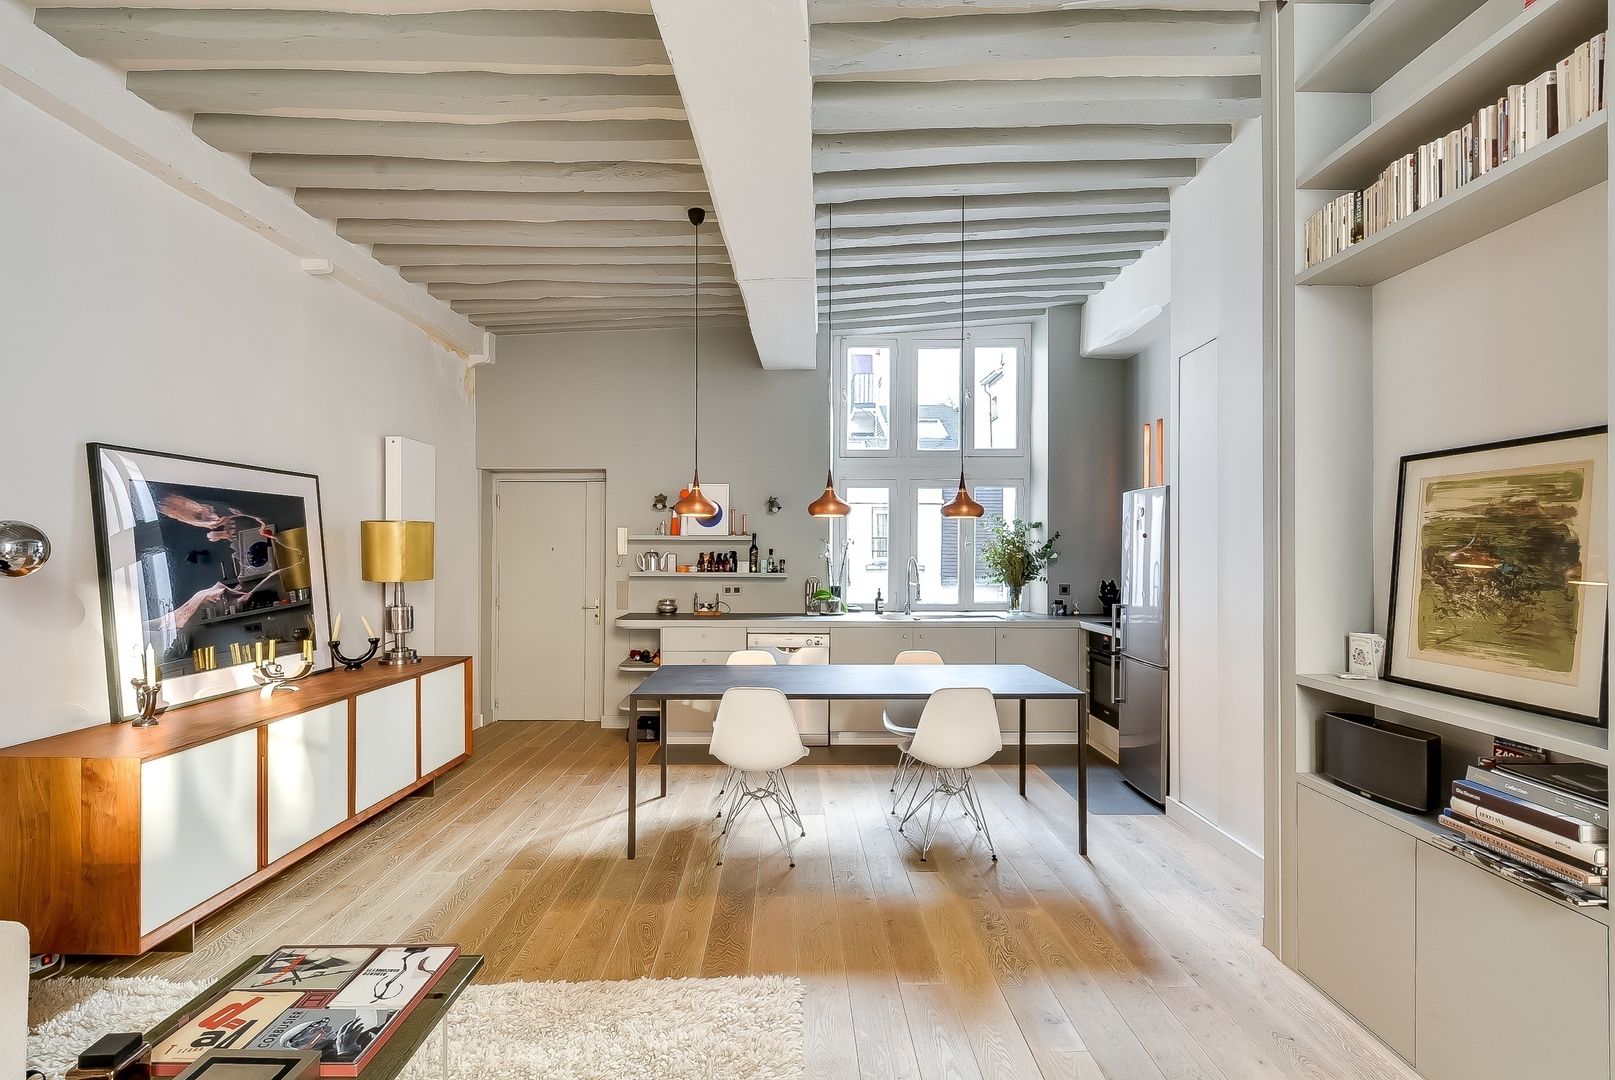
{"x": 1143, "y": 963}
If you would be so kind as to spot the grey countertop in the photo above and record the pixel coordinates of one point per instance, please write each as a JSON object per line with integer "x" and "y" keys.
{"x": 797, "y": 620}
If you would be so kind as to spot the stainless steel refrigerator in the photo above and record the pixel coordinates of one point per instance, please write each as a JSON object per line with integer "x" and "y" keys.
{"x": 1140, "y": 676}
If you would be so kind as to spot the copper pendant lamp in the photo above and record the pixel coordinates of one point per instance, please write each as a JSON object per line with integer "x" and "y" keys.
{"x": 829, "y": 505}
{"x": 693, "y": 503}
{"x": 962, "y": 506}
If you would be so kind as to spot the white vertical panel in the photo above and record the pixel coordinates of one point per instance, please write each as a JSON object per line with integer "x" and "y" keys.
{"x": 306, "y": 777}
{"x": 384, "y": 744}
{"x": 198, "y": 825}
{"x": 411, "y": 495}
{"x": 442, "y": 717}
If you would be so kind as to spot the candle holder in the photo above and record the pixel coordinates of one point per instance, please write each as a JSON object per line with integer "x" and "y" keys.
{"x": 149, "y": 703}
{"x": 271, "y": 675}
{"x": 354, "y": 663}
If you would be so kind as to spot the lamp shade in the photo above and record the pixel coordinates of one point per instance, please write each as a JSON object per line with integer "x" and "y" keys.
{"x": 828, "y": 505}
{"x": 293, "y": 556}
{"x": 396, "y": 550}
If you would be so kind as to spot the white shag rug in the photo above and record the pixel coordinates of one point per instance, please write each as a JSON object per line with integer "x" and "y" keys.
{"x": 672, "y": 1029}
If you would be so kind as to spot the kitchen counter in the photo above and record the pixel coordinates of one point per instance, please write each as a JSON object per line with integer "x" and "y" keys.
{"x": 1094, "y": 624}
{"x": 797, "y": 621}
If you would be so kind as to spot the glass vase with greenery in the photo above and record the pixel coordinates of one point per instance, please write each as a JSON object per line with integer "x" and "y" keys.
{"x": 1014, "y": 558}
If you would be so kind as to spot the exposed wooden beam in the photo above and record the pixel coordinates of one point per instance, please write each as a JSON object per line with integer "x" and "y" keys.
{"x": 649, "y": 274}
{"x": 367, "y": 7}
{"x": 981, "y": 103}
{"x": 585, "y": 314}
{"x": 884, "y": 212}
{"x": 666, "y": 305}
{"x": 456, "y": 97}
{"x": 983, "y": 231}
{"x": 996, "y": 249}
{"x": 538, "y": 290}
{"x": 942, "y": 302}
{"x": 984, "y": 269}
{"x": 988, "y": 46}
{"x": 529, "y": 42}
{"x": 578, "y": 234}
{"x": 973, "y": 285}
{"x": 841, "y": 11}
{"x": 497, "y": 206}
{"x": 421, "y": 254}
{"x": 614, "y": 326}
{"x": 945, "y": 315}
{"x": 1018, "y": 179}
{"x": 663, "y": 141}
{"x": 974, "y": 146}
{"x": 415, "y": 174}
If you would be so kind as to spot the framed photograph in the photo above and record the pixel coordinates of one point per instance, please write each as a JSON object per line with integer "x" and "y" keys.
{"x": 201, "y": 561}
{"x": 718, "y": 523}
{"x": 1499, "y": 578}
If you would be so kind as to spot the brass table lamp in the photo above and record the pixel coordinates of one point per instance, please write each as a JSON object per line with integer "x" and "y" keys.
{"x": 396, "y": 552}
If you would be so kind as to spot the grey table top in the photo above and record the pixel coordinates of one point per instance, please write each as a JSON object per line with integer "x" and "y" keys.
{"x": 851, "y": 681}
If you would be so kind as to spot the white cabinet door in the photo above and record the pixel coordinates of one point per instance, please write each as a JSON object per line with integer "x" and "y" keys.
{"x": 864, "y": 645}
{"x": 198, "y": 825}
{"x": 384, "y": 744}
{"x": 956, "y": 644}
{"x": 1056, "y": 652}
{"x": 306, "y": 777}
{"x": 442, "y": 717}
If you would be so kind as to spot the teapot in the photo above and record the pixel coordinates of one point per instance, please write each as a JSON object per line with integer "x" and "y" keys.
{"x": 653, "y": 561}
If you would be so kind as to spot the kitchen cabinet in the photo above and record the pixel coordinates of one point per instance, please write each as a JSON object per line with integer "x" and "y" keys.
{"x": 692, "y": 718}
{"x": 865, "y": 645}
{"x": 956, "y": 644}
{"x": 384, "y": 739}
{"x": 443, "y": 717}
{"x": 1056, "y": 652}
{"x": 306, "y": 777}
{"x": 724, "y": 639}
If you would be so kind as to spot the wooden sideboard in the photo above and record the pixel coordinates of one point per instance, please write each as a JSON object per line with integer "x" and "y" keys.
{"x": 116, "y": 839}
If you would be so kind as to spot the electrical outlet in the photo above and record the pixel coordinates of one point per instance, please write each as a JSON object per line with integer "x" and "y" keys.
{"x": 1065, "y": 590}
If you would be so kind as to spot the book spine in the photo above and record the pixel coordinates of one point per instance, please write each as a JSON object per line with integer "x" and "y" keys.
{"x": 1540, "y": 849}
{"x": 1546, "y": 863}
{"x": 1532, "y": 791}
{"x": 1530, "y": 813}
{"x": 1587, "y": 853}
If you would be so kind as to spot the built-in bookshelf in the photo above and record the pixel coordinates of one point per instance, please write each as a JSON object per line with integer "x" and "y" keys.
{"x": 1358, "y": 86}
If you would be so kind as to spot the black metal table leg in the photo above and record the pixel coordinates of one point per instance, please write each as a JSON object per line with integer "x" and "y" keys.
{"x": 1082, "y": 777}
{"x": 661, "y": 737}
{"x": 1023, "y": 748}
{"x": 633, "y": 772}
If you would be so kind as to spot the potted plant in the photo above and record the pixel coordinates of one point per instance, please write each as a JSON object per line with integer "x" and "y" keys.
{"x": 1012, "y": 559}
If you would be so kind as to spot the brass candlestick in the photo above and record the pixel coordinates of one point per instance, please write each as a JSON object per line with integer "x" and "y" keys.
{"x": 271, "y": 675}
{"x": 149, "y": 702}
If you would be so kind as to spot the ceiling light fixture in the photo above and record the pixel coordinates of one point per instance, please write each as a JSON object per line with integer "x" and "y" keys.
{"x": 962, "y": 506}
{"x": 829, "y": 505}
{"x": 692, "y": 503}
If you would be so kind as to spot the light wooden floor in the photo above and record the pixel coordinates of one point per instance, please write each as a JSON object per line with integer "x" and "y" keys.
{"x": 1144, "y": 963}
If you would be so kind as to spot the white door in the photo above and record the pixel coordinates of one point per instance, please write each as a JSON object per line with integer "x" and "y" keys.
{"x": 548, "y": 571}
{"x": 1196, "y": 662}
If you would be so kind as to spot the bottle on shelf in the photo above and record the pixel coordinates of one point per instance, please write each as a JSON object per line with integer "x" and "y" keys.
{"x": 754, "y": 563}
{"x": 880, "y": 603}
{"x": 770, "y": 563}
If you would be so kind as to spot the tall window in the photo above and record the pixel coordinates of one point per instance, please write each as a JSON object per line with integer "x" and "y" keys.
{"x": 902, "y": 418}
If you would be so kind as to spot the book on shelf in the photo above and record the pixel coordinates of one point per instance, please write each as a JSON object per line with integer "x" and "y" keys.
{"x": 1592, "y": 854}
{"x": 1527, "y": 115}
{"x": 1527, "y": 812}
{"x": 343, "y": 1001}
{"x": 1576, "y": 790}
{"x": 1564, "y": 870}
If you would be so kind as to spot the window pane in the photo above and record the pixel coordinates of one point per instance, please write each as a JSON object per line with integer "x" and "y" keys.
{"x": 937, "y": 546}
{"x": 996, "y": 402}
{"x": 869, "y": 398}
{"x": 869, "y": 527}
{"x": 936, "y": 415}
{"x": 1000, "y": 503}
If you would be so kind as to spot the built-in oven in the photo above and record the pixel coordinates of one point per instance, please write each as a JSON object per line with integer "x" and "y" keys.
{"x": 1101, "y": 678}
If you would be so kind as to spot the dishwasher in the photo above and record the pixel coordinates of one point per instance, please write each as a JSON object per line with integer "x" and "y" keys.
{"x": 812, "y": 717}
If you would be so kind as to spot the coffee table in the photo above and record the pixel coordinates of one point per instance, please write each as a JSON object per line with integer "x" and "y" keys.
{"x": 399, "y": 1050}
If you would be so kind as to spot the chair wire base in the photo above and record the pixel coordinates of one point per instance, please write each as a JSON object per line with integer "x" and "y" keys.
{"x": 946, "y": 785}
{"x": 761, "y": 790}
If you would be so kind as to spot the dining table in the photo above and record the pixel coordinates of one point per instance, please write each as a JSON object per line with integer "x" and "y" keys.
{"x": 851, "y": 682}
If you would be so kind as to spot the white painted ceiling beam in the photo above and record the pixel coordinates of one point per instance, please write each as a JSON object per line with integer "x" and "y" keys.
{"x": 415, "y": 174}
{"x": 975, "y": 146}
{"x": 367, "y": 7}
{"x": 973, "y": 285}
{"x": 943, "y": 319}
{"x": 843, "y": 11}
{"x": 889, "y": 212}
{"x": 494, "y": 322}
{"x": 669, "y": 305}
{"x": 92, "y": 100}
{"x": 497, "y": 206}
{"x": 981, "y": 232}
{"x": 1010, "y": 103}
{"x": 743, "y": 72}
{"x": 496, "y": 255}
{"x": 985, "y": 44}
{"x": 583, "y": 276}
{"x": 530, "y": 42}
{"x": 1001, "y": 179}
{"x": 944, "y": 301}
{"x": 575, "y": 234}
{"x": 457, "y": 97}
{"x": 613, "y": 326}
{"x": 997, "y": 249}
{"x": 545, "y": 290}
{"x": 662, "y": 141}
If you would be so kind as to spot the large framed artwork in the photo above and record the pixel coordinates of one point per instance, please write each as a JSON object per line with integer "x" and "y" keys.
{"x": 202, "y": 562}
{"x": 718, "y": 523}
{"x": 1499, "y": 578}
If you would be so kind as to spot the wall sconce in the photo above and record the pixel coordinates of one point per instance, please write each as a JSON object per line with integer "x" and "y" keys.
{"x": 23, "y": 548}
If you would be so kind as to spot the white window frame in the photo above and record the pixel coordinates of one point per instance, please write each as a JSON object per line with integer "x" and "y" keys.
{"x": 839, "y": 397}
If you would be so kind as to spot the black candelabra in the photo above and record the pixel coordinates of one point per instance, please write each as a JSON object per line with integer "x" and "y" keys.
{"x": 355, "y": 663}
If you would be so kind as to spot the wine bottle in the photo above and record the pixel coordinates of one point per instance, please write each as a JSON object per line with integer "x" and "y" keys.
{"x": 753, "y": 557}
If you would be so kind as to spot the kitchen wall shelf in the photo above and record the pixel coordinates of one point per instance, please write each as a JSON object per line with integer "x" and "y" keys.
{"x": 1559, "y": 168}
{"x": 708, "y": 575}
{"x": 715, "y": 539}
{"x": 1581, "y": 741}
{"x": 1392, "y": 33}
{"x": 1535, "y": 40}
{"x": 636, "y": 667}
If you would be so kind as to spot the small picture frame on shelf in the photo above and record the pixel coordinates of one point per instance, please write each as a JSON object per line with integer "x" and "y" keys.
{"x": 1365, "y": 656}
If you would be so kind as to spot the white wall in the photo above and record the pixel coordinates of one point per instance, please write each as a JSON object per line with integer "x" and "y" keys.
{"x": 1148, "y": 390}
{"x": 1216, "y": 296}
{"x": 131, "y": 314}
{"x": 1454, "y": 342}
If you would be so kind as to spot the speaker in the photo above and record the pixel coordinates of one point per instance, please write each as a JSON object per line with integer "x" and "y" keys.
{"x": 1385, "y": 761}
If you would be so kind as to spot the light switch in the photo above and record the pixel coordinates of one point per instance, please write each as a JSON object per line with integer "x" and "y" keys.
{"x": 622, "y": 596}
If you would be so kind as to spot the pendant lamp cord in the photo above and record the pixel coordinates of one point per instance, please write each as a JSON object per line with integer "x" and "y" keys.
{"x": 830, "y": 333}
{"x": 696, "y": 461}
{"x": 963, "y": 393}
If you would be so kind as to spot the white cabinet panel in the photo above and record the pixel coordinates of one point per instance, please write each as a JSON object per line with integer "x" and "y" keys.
{"x": 956, "y": 644}
{"x": 442, "y": 717}
{"x": 1055, "y": 652}
{"x": 1354, "y": 914}
{"x": 1510, "y": 984}
{"x": 384, "y": 744}
{"x": 727, "y": 639}
{"x": 864, "y": 645}
{"x": 690, "y": 717}
{"x": 307, "y": 777}
{"x": 198, "y": 825}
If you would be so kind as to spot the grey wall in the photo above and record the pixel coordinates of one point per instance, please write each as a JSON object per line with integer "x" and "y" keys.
{"x": 1148, "y": 379}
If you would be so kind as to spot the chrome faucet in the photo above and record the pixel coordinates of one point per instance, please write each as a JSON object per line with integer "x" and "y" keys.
{"x": 912, "y": 584}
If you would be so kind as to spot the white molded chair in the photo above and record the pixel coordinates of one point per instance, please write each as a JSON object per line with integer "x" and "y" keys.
{"x": 756, "y": 737}
{"x": 743, "y": 658}
{"x": 901, "y": 718}
{"x": 958, "y": 731}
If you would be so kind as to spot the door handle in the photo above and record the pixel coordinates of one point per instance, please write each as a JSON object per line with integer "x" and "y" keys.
{"x": 1118, "y": 692}
{"x": 594, "y": 607}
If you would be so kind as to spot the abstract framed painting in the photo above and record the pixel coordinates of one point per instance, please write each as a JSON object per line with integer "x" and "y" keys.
{"x": 718, "y": 523}
{"x": 1499, "y": 576}
{"x": 201, "y": 562}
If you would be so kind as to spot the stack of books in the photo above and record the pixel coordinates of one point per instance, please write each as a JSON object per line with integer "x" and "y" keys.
{"x": 1548, "y": 822}
{"x": 1527, "y": 115}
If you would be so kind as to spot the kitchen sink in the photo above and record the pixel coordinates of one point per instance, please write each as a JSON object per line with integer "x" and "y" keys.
{"x": 935, "y": 616}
